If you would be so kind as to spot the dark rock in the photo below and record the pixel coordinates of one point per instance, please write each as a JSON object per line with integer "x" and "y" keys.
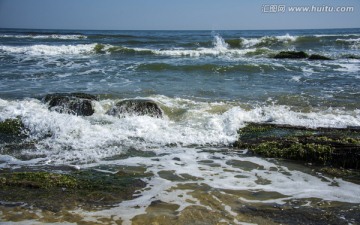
{"x": 138, "y": 107}
{"x": 12, "y": 130}
{"x": 11, "y": 126}
{"x": 291, "y": 55}
{"x": 349, "y": 56}
{"x": 72, "y": 103}
{"x": 338, "y": 147}
{"x": 318, "y": 57}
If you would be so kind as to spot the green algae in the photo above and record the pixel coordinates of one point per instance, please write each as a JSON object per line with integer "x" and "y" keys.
{"x": 11, "y": 126}
{"x": 234, "y": 43}
{"x": 42, "y": 180}
{"x": 54, "y": 192}
{"x": 325, "y": 146}
{"x": 99, "y": 48}
{"x": 295, "y": 150}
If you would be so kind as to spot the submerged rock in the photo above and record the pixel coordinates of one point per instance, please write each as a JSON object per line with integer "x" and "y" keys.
{"x": 72, "y": 103}
{"x": 339, "y": 147}
{"x": 318, "y": 57}
{"x": 138, "y": 107}
{"x": 291, "y": 55}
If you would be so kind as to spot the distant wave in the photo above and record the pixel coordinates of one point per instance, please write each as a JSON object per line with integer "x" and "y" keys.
{"x": 241, "y": 47}
{"x": 337, "y": 35}
{"x": 267, "y": 41}
{"x": 111, "y": 49}
{"x": 352, "y": 42}
{"x": 49, "y": 36}
{"x": 39, "y": 50}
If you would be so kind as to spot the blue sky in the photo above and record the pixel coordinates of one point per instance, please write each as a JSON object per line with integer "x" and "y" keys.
{"x": 172, "y": 15}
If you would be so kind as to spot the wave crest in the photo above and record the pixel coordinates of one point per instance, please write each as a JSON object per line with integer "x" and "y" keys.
{"x": 49, "y": 50}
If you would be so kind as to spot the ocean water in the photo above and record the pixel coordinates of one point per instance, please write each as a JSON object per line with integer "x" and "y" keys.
{"x": 208, "y": 83}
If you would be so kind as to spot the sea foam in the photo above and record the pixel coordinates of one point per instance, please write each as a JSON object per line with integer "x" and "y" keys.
{"x": 101, "y": 135}
{"x": 49, "y": 50}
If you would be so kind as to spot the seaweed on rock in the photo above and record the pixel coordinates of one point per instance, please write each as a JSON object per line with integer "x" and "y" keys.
{"x": 339, "y": 147}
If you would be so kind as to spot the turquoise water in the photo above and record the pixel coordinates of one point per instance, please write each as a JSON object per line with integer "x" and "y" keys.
{"x": 208, "y": 83}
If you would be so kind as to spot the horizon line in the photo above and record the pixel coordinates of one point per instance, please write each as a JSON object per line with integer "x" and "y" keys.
{"x": 73, "y": 29}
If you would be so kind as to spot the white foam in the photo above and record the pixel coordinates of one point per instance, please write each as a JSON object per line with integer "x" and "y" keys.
{"x": 336, "y": 35}
{"x": 287, "y": 38}
{"x": 296, "y": 78}
{"x": 50, "y": 36}
{"x": 203, "y": 52}
{"x": 99, "y": 136}
{"x": 280, "y": 179}
{"x": 357, "y": 40}
{"x": 50, "y": 50}
{"x": 355, "y": 43}
{"x": 220, "y": 48}
{"x": 219, "y": 43}
{"x": 349, "y": 68}
{"x": 251, "y": 42}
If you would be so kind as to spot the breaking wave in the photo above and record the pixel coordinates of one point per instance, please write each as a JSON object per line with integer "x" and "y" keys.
{"x": 187, "y": 123}
{"x": 38, "y": 50}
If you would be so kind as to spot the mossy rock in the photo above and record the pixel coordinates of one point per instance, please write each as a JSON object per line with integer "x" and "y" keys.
{"x": 43, "y": 180}
{"x": 136, "y": 107}
{"x": 89, "y": 189}
{"x": 12, "y": 130}
{"x": 11, "y": 126}
{"x": 339, "y": 147}
{"x": 291, "y": 55}
{"x": 318, "y": 57}
{"x": 79, "y": 104}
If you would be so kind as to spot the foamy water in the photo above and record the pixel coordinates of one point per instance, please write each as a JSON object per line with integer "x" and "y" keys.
{"x": 199, "y": 124}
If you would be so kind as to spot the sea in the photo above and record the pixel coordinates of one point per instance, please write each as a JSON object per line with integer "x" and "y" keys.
{"x": 209, "y": 84}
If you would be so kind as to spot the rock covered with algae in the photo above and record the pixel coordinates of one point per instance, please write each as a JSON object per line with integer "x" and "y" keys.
{"x": 55, "y": 191}
{"x": 12, "y": 130}
{"x": 338, "y": 147}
